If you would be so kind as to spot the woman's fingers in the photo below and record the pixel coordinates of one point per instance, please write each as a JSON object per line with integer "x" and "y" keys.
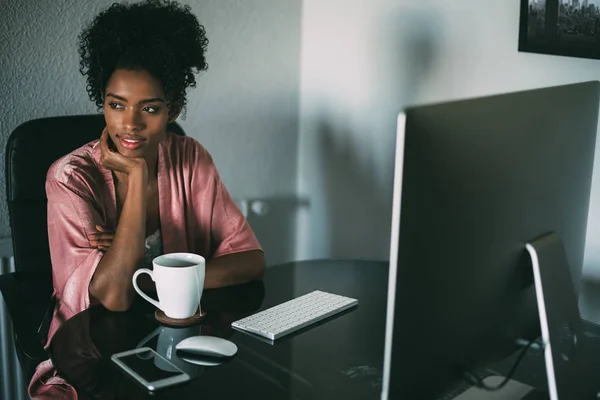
{"x": 101, "y": 239}
{"x": 101, "y": 228}
{"x": 104, "y": 141}
{"x": 101, "y": 235}
{"x": 103, "y": 242}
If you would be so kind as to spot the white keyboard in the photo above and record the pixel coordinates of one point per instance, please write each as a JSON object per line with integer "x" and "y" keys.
{"x": 295, "y": 314}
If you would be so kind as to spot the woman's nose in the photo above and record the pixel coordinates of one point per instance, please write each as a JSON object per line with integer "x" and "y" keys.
{"x": 132, "y": 120}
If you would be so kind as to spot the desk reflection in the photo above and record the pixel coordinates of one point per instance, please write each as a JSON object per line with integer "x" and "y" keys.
{"x": 82, "y": 347}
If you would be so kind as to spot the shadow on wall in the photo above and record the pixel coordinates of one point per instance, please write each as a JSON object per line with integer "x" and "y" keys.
{"x": 355, "y": 207}
{"x": 273, "y": 221}
{"x": 357, "y": 162}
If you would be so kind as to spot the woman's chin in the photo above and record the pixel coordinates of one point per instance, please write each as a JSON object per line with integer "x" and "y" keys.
{"x": 137, "y": 153}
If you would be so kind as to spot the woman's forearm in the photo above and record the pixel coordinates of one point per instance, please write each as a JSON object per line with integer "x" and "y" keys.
{"x": 111, "y": 283}
{"x": 234, "y": 269}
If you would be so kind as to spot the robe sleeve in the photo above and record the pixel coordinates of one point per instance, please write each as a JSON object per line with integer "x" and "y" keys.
{"x": 72, "y": 214}
{"x": 229, "y": 229}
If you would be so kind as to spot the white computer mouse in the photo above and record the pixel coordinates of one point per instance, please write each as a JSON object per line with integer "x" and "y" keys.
{"x": 207, "y": 346}
{"x": 202, "y": 361}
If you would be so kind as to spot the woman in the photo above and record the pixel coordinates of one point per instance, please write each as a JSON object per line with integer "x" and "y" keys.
{"x": 138, "y": 191}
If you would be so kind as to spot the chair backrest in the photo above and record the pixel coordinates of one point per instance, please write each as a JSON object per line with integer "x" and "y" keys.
{"x": 31, "y": 149}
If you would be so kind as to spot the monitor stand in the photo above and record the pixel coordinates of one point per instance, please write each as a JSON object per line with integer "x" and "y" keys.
{"x": 562, "y": 331}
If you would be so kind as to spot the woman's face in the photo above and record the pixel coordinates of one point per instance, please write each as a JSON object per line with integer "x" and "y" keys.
{"x": 136, "y": 113}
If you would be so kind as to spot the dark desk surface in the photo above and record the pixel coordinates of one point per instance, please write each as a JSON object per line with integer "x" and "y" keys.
{"x": 341, "y": 358}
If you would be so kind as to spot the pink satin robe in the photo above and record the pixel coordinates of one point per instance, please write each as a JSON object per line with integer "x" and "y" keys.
{"x": 196, "y": 215}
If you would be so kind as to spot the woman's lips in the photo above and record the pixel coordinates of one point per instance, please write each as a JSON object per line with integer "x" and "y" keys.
{"x": 131, "y": 143}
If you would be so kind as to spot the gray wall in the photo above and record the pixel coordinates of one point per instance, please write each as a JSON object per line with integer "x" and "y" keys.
{"x": 244, "y": 110}
{"x": 361, "y": 66}
{"x": 353, "y": 70}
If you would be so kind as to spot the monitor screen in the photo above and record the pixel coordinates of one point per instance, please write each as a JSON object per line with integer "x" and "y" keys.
{"x": 475, "y": 181}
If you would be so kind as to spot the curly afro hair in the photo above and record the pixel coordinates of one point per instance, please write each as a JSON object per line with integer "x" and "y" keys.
{"x": 161, "y": 37}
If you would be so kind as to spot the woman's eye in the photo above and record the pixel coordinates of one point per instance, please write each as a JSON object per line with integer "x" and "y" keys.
{"x": 151, "y": 110}
{"x": 115, "y": 106}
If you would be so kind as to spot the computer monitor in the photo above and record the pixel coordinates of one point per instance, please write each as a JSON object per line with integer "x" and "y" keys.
{"x": 475, "y": 181}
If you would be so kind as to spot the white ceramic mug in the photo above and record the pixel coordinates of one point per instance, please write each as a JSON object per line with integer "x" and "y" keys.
{"x": 167, "y": 340}
{"x": 179, "y": 279}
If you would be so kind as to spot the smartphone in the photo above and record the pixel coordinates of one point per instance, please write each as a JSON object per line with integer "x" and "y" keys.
{"x": 142, "y": 364}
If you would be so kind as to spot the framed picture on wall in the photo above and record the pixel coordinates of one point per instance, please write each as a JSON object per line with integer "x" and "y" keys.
{"x": 560, "y": 27}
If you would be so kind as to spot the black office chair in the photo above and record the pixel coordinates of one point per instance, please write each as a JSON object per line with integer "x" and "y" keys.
{"x": 31, "y": 149}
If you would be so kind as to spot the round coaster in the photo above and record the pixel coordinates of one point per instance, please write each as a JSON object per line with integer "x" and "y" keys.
{"x": 194, "y": 319}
